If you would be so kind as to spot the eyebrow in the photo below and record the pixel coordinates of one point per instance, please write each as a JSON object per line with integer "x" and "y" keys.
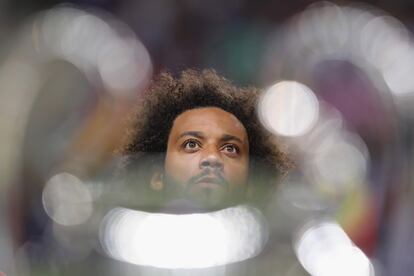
{"x": 228, "y": 137}
{"x": 199, "y": 134}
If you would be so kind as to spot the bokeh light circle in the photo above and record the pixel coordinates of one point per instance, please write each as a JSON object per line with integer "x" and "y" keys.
{"x": 323, "y": 249}
{"x": 289, "y": 108}
{"x": 67, "y": 200}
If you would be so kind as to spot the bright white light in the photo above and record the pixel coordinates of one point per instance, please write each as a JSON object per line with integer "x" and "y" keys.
{"x": 54, "y": 24}
{"x": 324, "y": 249}
{"x": 183, "y": 241}
{"x": 386, "y": 44}
{"x": 246, "y": 229}
{"x": 323, "y": 28}
{"x": 82, "y": 40}
{"x": 399, "y": 76}
{"x": 98, "y": 48}
{"x": 289, "y": 108}
{"x": 75, "y": 35}
{"x": 124, "y": 65}
{"x": 384, "y": 41}
{"x": 66, "y": 200}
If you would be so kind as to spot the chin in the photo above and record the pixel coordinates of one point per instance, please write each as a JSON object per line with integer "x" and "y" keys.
{"x": 213, "y": 199}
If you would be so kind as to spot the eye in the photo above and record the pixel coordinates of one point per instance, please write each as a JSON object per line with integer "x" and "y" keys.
{"x": 230, "y": 148}
{"x": 191, "y": 145}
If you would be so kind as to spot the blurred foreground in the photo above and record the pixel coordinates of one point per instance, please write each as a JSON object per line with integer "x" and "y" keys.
{"x": 337, "y": 90}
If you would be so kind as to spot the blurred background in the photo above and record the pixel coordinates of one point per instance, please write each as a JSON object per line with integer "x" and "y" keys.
{"x": 337, "y": 91}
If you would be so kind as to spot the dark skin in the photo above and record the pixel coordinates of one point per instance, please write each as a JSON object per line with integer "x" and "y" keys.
{"x": 207, "y": 159}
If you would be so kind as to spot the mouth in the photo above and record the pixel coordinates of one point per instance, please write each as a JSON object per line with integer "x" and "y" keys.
{"x": 210, "y": 181}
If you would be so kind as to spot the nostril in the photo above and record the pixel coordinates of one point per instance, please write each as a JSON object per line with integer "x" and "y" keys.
{"x": 205, "y": 163}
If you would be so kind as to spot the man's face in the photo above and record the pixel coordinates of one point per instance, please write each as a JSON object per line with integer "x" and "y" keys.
{"x": 207, "y": 159}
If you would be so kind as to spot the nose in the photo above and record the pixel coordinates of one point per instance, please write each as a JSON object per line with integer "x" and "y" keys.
{"x": 211, "y": 160}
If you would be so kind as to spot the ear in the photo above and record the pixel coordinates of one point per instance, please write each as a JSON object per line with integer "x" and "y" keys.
{"x": 157, "y": 182}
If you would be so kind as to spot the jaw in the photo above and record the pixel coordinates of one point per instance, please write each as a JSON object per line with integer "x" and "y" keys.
{"x": 202, "y": 196}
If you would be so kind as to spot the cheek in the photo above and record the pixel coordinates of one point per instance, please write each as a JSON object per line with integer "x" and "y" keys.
{"x": 180, "y": 167}
{"x": 237, "y": 173}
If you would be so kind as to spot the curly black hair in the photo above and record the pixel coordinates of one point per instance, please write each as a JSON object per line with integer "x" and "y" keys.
{"x": 169, "y": 97}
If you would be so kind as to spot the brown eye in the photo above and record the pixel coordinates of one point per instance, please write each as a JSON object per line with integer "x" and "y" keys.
{"x": 231, "y": 149}
{"x": 191, "y": 145}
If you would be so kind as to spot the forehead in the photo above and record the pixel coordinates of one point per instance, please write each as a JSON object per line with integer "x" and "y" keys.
{"x": 210, "y": 120}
